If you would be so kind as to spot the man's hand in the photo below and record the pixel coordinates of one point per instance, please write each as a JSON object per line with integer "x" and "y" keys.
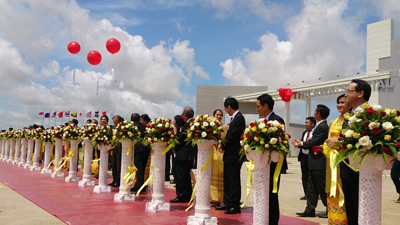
{"x": 296, "y": 143}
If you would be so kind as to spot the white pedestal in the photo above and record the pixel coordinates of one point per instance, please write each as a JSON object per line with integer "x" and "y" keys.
{"x": 57, "y": 157}
{"x": 17, "y": 151}
{"x": 202, "y": 214}
{"x": 370, "y": 188}
{"x": 103, "y": 168}
{"x": 12, "y": 151}
{"x": 36, "y": 157}
{"x": 1, "y": 149}
{"x": 73, "y": 163}
{"x": 24, "y": 144}
{"x": 87, "y": 166}
{"x": 28, "y": 163}
{"x": 6, "y": 150}
{"x": 126, "y": 161}
{"x": 158, "y": 203}
{"x": 47, "y": 151}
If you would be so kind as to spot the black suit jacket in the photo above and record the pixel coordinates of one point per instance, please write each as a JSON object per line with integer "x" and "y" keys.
{"x": 302, "y": 157}
{"x": 232, "y": 145}
{"x": 320, "y": 134}
{"x": 139, "y": 147}
{"x": 184, "y": 151}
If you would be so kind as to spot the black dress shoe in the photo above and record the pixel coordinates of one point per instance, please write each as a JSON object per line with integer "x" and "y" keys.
{"x": 323, "y": 215}
{"x": 177, "y": 200}
{"x": 96, "y": 176}
{"x": 232, "y": 211}
{"x": 306, "y": 214}
{"x": 222, "y": 206}
{"x": 303, "y": 198}
{"x": 112, "y": 183}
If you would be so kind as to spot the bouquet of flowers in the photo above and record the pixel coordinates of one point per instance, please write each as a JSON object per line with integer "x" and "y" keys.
{"x": 36, "y": 133}
{"x": 265, "y": 135}
{"x": 71, "y": 132}
{"x": 18, "y": 134}
{"x": 204, "y": 127}
{"x": 48, "y": 136}
{"x": 370, "y": 130}
{"x": 126, "y": 130}
{"x": 160, "y": 129}
{"x": 103, "y": 136}
{"x": 88, "y": 131}
{"x": 58, "y": 132}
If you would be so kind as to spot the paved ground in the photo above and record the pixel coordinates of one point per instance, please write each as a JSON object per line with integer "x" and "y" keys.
{"x": 13, "y": 205}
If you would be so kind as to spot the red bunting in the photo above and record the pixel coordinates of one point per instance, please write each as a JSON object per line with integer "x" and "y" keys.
{"x": 285, "y": 94}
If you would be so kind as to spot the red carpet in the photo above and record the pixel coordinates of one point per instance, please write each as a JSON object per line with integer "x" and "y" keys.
{"x": 75, "y": 205}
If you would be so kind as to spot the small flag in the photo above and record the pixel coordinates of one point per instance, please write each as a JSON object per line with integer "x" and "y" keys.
{"x": 41, "y": 114}
{"x": 104, "y": 113}
{"x": 80, "y": 114}
{"x": 89, "y": 114}
{"x": 54, "y": 115}
{"x": 60, "y": 114}
{"x": 96, "y": 114}
{"x": 74, "y": 114}
{"x": 47, "y": 115}
{"x": 67, "y": 113}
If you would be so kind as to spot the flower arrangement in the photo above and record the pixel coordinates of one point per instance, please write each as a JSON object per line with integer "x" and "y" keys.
{"x": 10, "y": 134}
{"x": 48, "y": 136}
{"x": 88, "y": 131}
{"x": 265, "y": 135}
{"x": 160, "y": 129}
{"x": 36, "y": 133}
{"x": 126, "y": 130}
{"x": 58, "y": 132}
{"x": 204, "y": 127}
{"x": 103, "y": 136}
{"x": 370, "y": 130}
{"x": 71, "y": 132}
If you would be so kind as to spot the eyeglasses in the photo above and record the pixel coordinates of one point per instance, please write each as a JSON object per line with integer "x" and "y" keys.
{"x": 258, "y": 106}
{"x": 349, "y": 91}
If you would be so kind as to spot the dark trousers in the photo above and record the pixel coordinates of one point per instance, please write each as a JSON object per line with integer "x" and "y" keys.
{"x": 140, "y": 163}
{"x": 116, "y": 164}
{"x": 304, "y": 173}
{"x": 350, "y": 183}
{"x": 274, "y": 212}
{"x": 183, "y": 181}
{"x": 315, "y": 188}
{"x": 395, "y": 175}
{"x": 232, "y": 187}
{"x": 168, "y": 164}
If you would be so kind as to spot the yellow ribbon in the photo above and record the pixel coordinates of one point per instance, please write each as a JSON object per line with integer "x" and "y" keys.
{"x": 131, "y": 174}
{"x": 250, "y": 169}
{"x": 191, "y": 202}
{"x": 64, "y": 160}
{"x": 48, "y": 166}
{"x": 204, "y": 167}
{"x": 19, "y": 159}
{"x": 149, "y": 180}
{"x": 42, "y": 146}
{"x": 277, "y": 172}
{"x": 354, "y": 169}
{"x": 133, "y": 148}
{"x": 166, "y": 149}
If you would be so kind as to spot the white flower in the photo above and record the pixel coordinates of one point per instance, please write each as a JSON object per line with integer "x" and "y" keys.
{"x": 360, "y": 110}
{"x": 352, "y": 119}
{"x": 273, "y": 141}
{"x": 275, "y": 123}
{"x": 205, "y": 124}
{"x": 192, "y": 128}
{"x": 241, "y": 143}
{"x": 203, "y": 134}
{"x": 261, "y": 125}
{"x": 365, "y": 141}
{"x": 246, "y": 147}
{"x": 167, "y": 124}
{"x": 212, "y": 124}
{"x": 387, "y": 126}
{"x": 373, "y": 125}
{"x": 122, "y": 127}
{"x": 159, "y": 125}
{"x": 376, "y": 107}
{"x": 261, "y": 120}
{"x": 348, "y": 133}
{"x": 196, "y": 124}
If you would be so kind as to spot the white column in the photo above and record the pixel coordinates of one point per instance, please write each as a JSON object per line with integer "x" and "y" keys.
{"x": 73, "y": 163}
{"x": 36, "y": 157}
{"x": 24, "y": 143}
{"x": 370, "y": 188}
{"x": 6, "y": 151}
{"x": 126, "y": 161}
{"x": 28, "y": 163}
{"x": 103, "y": 168}
{"x": 47, "y": 151}
{"x": 17, "y": 151}
{"x": 57, "y": 157}
{"x": 158, "y": 203}
{"x": 12, "y": 151}
{"x": 1, "y": 149}
{"x": 87, "y": 166}
{"x": 202, "y": 214}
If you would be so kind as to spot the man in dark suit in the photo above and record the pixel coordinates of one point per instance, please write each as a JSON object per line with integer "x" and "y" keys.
{"x": 303, "y": 153}
{"x": 141, "y": 154}
{"x": 265, "y": 107}
{"x": 316, "y": 163}
{"x": 116, "y": 157}
{"x": 183, "y": 161}
{"x": 232, "y": 160}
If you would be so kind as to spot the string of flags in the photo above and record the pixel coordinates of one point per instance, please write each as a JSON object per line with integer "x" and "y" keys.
{"x": 74, "y": 114}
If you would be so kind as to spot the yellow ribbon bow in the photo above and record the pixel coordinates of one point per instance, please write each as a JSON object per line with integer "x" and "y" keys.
{"x": 130, "y": 176}
{"x": 277, "y": 172}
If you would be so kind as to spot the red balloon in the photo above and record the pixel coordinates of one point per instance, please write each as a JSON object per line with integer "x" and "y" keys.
{"x": 113, "y": 45}
{"x": 94, "y": 57}
{"x": 74, "y": 47}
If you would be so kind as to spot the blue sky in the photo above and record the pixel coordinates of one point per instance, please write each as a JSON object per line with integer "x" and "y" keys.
{"x": 170, "y": 47}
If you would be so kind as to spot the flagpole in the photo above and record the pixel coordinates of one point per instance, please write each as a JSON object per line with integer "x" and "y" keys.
{"x": 49, "y": 121}
{"x": 43, "y": 118}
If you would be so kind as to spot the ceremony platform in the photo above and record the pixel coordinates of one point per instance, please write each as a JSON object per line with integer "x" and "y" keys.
{"x": 67, "y": 203}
